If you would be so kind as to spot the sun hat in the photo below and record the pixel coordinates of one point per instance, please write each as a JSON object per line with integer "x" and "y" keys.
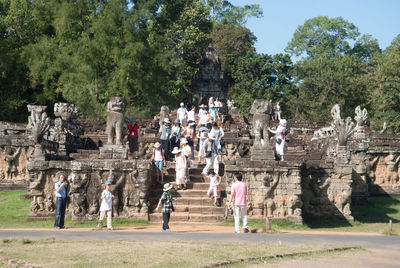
{"x": 133, "y": 119}
{"x": 168, "y": 186}
{"x": 176, "y": 150}
{"x": 182, "y": 104}
{"x": 166, "y": 120}
{"x": 157, "y": 145}
{"x": 184, "y": 141}
{"x": 283, "y": 122}
{"x": 177, "y": 121}
{"x": 107, "y": 183}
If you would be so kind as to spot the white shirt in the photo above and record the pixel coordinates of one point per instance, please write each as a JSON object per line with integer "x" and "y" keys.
{"x": 191, "y": 115}
{"x": 213, "y": 180}
{"x": 202, "y": 112}
{"x": 186, "y": 150}
{"x": 182, "y": 113}
{"x": 106, "y": 203}
{"x": 204, "y": 119}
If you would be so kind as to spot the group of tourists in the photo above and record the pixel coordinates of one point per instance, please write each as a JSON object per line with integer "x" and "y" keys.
{"x": 177, "y": 143}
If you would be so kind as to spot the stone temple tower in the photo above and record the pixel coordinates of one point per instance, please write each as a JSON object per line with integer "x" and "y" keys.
{"x": 209, "y": 80}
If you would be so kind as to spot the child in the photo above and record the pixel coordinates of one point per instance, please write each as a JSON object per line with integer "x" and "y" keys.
{"x": 158, "y": 158}
{"x": 106, "y": 206}
{"x": 166, "y": 205}
{"x": 215, "y": 180}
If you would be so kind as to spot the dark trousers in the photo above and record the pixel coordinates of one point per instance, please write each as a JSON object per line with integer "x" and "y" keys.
{"x": 165, "y": 217}
{"x": 61, "y": 204}
{"x": 165, "y": 148}
{"x": 133, "y": 144}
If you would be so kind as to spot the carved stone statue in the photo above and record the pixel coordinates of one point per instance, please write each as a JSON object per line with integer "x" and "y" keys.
{"x": 38, "y": 126}
{"x": 66, "y": 111}
{"x": 10, "y": 157}
{"x": 361, "y": 118}
{"x": 343, "y": 128}
{"x": 164, "y": 113}
{"x": 262, "y": 149}
{"x": 115, "y": 120}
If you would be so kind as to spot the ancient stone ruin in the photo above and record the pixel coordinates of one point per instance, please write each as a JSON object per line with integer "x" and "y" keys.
{"x": 327, "y": 168}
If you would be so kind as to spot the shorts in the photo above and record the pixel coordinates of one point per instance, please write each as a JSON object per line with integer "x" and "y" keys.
{"x": 159, "y": 165}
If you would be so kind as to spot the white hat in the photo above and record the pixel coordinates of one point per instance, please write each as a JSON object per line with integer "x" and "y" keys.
{"x": 168, "y": 186}
{"x": 176, "y": 150}
{"x": 182, "y": 104}
{"x": 184, "y": 141}
{"x": 166, "y": 120}
{"x": 283, "y": 122}
{"x": 157, "y": 145}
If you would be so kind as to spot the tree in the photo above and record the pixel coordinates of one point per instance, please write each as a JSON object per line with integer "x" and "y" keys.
{"x": 330, "y": 70}
{"x": 384, "y": 84}
{"x": 262, "y": 76}
{"x": 224, "y": 12}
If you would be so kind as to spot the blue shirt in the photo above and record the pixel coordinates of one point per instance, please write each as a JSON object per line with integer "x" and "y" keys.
{"x": 62, "y": 192}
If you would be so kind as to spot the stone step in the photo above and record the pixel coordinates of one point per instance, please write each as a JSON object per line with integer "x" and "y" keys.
{"x": 193, "y": 178}
{"x": 186, "y": 216}
{"x": 192, "y": 201}
{"x": 204, "y": 210}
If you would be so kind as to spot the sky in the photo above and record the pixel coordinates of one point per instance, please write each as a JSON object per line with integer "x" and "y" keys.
{"x": 379, "y": 18}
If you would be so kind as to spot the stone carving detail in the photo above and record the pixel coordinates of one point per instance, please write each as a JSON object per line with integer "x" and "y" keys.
{"x": 10, "y": 158}
{"x": 361, "y": 118}
{"x": 66, "y": 111}
{"x": 164, "y": 113}
{"x": 115, "y": 120}
{"x": 343, "y": 128}
{"x": 38, "y": 126}
{"x": 262, "y": 149}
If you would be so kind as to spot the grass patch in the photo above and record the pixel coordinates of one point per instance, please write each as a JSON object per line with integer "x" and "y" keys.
{"x": 137, "y": 253}
{"x": 14, "y": 211}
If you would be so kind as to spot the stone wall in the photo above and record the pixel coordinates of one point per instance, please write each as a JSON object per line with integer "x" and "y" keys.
{"x": 130, "y": 186}
{"x": 274, "y": 189}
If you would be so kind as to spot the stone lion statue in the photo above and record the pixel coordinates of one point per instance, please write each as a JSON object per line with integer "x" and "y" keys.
{"x": 260, "y": 118}
{"x": 115, "y": 120}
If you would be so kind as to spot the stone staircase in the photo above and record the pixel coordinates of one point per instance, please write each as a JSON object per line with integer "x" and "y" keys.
{"x": 192, "y": 204}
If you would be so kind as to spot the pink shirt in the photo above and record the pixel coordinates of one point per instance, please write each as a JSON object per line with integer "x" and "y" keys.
{"x": 239, "y": 191}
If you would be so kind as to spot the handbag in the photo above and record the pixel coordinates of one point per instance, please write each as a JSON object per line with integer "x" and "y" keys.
{"x": 208, "y": 154}
{"x": 278, "y": 141}
{"x": 222, "y": 142}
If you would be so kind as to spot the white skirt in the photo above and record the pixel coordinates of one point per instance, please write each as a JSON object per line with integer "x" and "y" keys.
{"x": 180, "y": 176}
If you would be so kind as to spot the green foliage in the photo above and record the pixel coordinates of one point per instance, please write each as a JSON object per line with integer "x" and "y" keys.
{"x": 231, "y": 42}
{"x": 224, "y": 12}
{"x": 262, "y": 76}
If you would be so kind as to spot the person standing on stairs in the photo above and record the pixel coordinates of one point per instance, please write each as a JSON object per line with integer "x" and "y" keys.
{"x": 215, "y": 180}
{"x": 159, "y": 161}
{"x": 187, "y": 152}
{"x": 165, "y": 130}
{"x": 280, "y": 135}
{"x": 210, "y": 152}
{"x": 166, "y": 205}
{"x": 180, "y": 168}
{"x": 133, "y": 137}
{"x": 239, "y": 196}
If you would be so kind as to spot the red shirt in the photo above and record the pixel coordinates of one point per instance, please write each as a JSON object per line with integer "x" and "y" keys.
{"x": 133, "y": 130}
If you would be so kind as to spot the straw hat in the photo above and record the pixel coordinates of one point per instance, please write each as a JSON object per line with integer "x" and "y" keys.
{"x": 184, "y": 141}
{"x": 168, "y": 186}
{"x": 157, "y": 145}
{"x": 202, "y": 106}
{"x": 176, "y": 150}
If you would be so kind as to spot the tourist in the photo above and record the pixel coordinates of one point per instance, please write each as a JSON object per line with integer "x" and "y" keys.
{"x": 187, "y": 152}
{"x": 219, "y": 133}
{"x": 189, "y": 134}
{"x": 166, "y": 205}
{"x": 280, "y": 138}
{"x": 215, "y": 180}
{"x": 239, "y": 196}
{"x": 218, "y": 105}
{"x": 106, "y": 206}
{"x": 159, "y": 161}
{"x": 270, "y": 110}
{"x": 191, "y": 116}
{"x": 210, "y": 153}
{"x": 133, "y": 137}
{"x": 203, "y": 136}
{"x": 156, "y": 122}
{"x": 164, "y": 138}
{"x": 204, "y": 119}
{"x": 181, "y": 114}
{"x": 202, "y": 110}
{"x": 230, "y": 103}
{"x": 210, "y": 101}
{"x": 277, "y": 112}
{"x": 61, "y": 201}
{"x": 180, "y": 168}
{"x": 213, "y": 113}
{"x": 176, "y": 133}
